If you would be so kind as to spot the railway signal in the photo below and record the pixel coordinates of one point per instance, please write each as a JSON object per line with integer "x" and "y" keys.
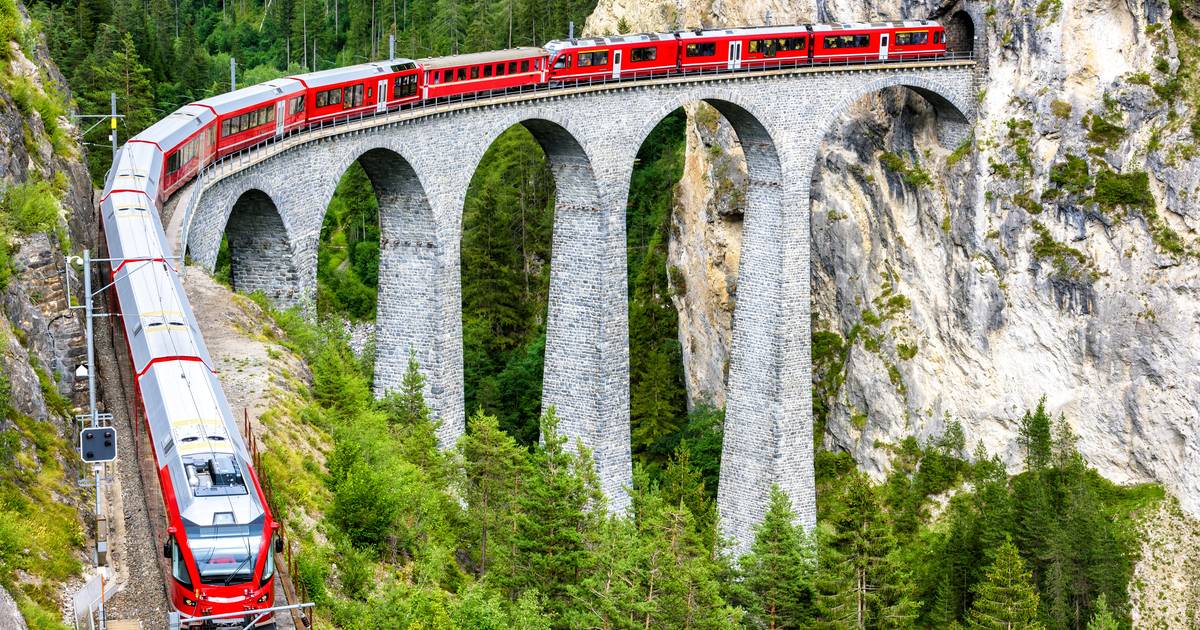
{"x": 98, "y": 444}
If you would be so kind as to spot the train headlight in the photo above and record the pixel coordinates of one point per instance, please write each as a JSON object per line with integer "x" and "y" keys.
{"x": 263, "y": 599}
{"x": 188, "y": 602}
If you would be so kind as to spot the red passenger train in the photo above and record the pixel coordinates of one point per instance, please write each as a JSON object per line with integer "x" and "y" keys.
{"x": 222, "y": 536}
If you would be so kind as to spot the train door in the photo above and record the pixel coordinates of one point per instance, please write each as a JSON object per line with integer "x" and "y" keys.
{"x": 735, "y": 55}
{"x": 883, "y": 47}
{"x": 280, "y": 116}
{"x": 616, "y": 64}
{"x": 381, "y": 94}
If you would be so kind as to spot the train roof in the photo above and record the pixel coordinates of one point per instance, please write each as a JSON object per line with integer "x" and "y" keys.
{"x": 494, "y": 56}
{"x": 177, "y": 126}
{"x": 185, "y": 405}
{"x": 249, "y": 96}
{"x": 333, "y": 76}
{"x": 854, "y": 26}
{"x": 639, "y": 38}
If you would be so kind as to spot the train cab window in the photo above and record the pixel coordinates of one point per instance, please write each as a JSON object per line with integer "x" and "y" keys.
{"x": 563, "y": 62}
{"x": 178, "y": 566}
{"x": 706, "y": 49}
{"x": 912, "y": 38}
{"x": 525, "y": 66}
{"x": 939, "y": 37}
{"x": 512, "y": 67}
{"x": 646, "y": 53}
{"x": 848, "y": 41}
{"x": 269, "y": 566}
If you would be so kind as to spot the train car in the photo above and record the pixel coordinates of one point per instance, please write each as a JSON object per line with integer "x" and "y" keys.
{"x": 877, "y": 42}
{"x": 256, "y": 113}
{"x": 221, "y": 535}
{"x": 355, "y": 90}
{"x": 627, "y": 56}
{"x": 187, "y": 140}
{"x": 483, "y": 72}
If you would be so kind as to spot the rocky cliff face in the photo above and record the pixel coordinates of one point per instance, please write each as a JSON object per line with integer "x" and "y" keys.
{"x": 970, "y": 281}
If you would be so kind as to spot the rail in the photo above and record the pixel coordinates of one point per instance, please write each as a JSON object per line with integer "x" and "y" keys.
{"x": 250, "y": 155}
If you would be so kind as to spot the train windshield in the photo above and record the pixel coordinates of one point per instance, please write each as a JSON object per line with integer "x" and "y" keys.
{"x": 226, "y": 554}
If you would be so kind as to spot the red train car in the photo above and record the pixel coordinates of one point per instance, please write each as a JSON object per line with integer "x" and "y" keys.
{"x": 877, "y": 42}
{"x": 359, "y": 89}
{"x": 627, "y": 56}
{"x": 482, "y": 72}
{"x": 254, "y": 114}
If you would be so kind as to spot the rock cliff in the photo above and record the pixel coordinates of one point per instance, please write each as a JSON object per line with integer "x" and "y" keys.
{"x": 1055, "y": 255}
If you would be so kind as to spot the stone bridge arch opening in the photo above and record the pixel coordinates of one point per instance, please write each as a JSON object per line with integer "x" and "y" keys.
{"x": 378, "y": 264}
{"x": 507, "y": 230}
{"x": 733, "y": 223}
{"x": 256, "y": 254}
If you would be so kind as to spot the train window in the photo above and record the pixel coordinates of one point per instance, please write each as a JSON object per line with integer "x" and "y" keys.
{"x": 706, "y": 49}
{"x": 370, "y": 92}
{"x": 563, "y": 62}
{"x": 322, "y": 99}
{"x": 178, "y": 567}
{"x": 512, "y": 67}
{"x": 791, "y": 44}
{"x": 764, "y": 47}
{"x": 487, "y": 71}
{"x": 525, "y": 66}
{"x": 647, "y": 53}
{"x": 462, "y": 74}
{"x": 939, "y": 37}
{"x": 475, "y": 72}
{"x": 598, "y": 58}
{"x": 912, "y": 38}
{"x": 173, "y": 162}
{"x": 848, "y": 41}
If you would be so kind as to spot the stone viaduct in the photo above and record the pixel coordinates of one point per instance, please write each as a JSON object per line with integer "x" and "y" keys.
{"x": 271, "y": 203}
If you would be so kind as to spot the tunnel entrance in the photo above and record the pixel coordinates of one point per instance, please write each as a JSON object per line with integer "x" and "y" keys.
{"x": 960, "y": 33}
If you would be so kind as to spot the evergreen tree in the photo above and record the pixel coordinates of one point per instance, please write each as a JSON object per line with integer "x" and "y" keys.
{"x": 778, "y": 570}
{"x": 492, "y": 467}
{"x": 408, "y": 416}
{"x": 553, "y": 518}
{"x": 1102, "y": 618}
{"x": 1006, "y": 599}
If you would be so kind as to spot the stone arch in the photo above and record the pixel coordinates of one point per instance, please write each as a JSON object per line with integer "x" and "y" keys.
{"x": 261, "y": 254}
{"x": 409, "y": 314}
{"x": 767, "y": 426}
{"x": 586, "y": 356}
{"x": 952, "y": 109}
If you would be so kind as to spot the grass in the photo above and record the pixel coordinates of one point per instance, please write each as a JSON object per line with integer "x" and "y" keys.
{"x": 914, "y": 175}
{"x": 1103, "y": 132}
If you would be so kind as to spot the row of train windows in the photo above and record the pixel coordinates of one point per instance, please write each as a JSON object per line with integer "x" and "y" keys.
{"x": 597, "y": 58}
{"x": 349, "y": 96}
{"x": 249, "y": 120}
{"x": 913, "y": 38}
{"x": 772, "y": 47}
{"x": 848, "y": 41}
{"x": 474, "y": 72}
{"x": 707, "y": 49}
{"x": 191, "y": 150}
{"x": 405, "y": 86}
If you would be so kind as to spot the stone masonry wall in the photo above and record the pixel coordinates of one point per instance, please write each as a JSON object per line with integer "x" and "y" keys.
{"x": 423, "y": 165}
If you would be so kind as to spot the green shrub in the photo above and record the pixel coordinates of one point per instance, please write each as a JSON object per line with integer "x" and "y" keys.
{"x": 32, "y": 207}
{"x": 914, "y": 176}
{"x": 1068, "y": 262}
{"x": 1072, "y": 175}
{"x": 1025, "y": 201}
{"x": 1105, "y": 133}
{"x": 1128, "y": 190}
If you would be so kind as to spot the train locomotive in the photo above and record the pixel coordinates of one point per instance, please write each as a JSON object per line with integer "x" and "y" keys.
{"x": 221, "y": 535}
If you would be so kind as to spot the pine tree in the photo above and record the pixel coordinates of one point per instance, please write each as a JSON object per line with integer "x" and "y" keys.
{"x": 778, "y": 570}
{"x": 1006, "y": 599}
{"x": 492, "y": 464}
{"x": 1102, "y": 618}
{"x": 554, "y": 516}
{"x": 1036, "y": 439}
